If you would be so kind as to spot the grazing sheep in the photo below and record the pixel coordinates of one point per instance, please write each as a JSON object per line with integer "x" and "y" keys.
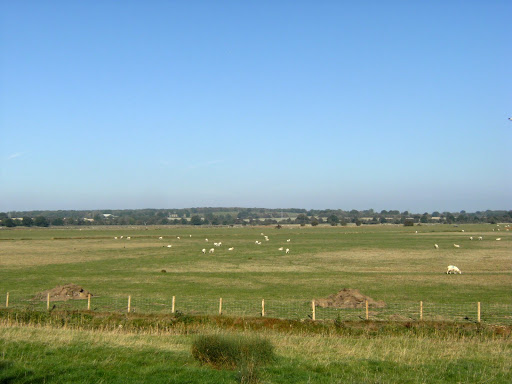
{"x": 169, "y": 246}
{"x": 498, "y": 239}
{"x": 212, "y": 250}
{"x": 230, "y": 249}
{"x": 206, "y": 240}
{"x": 178, "y": 237}
{"x": 216, "y": 244}
{"x": 471, "y": 238}
{"x": 480, "y": 238}
{"x": 456, "y": 245}
{"x": 436, "y": 246}
{"x": 452, "y": 269}
{"x": 288, "y": 240}
{"x": 121, "y": 237}
{"x": 203, "y": 250}
{"x": 128, "y": 238}
{"x": 287, "y": 250}
{"x": 462, "y": 231}
{"x": 115, "y": 237}
{"x": 280, "y": 249}
{"x": 160, "y": 238}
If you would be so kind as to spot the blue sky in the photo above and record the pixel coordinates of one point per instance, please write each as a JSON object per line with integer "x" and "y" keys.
{"x": 308, "y": 104}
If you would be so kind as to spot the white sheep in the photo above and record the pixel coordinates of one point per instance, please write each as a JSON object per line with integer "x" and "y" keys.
{"x": 462, "y": 231}
{"x": 230, "y": 249}
{"x": 280, "y": 249}
{"x": 498, "y": 239}
{"x": 452, "y": 269}
{"x": 480, "y": 238}
{"x": 212, "y": 250}
{"x": 287, "y": 250}
{"x": 203, "y": 250}
{"x": 169, "y": 246}
{"x": 456, "y": 245}
{"x": 115, "y": 237}
{"x": 471, "y": 238}
{"x": 178, "y": 237}
{"x": 206, "y": 240}
{"x": 436, "y": 246}
{"x": 288, "y": 240}
{"x": 128, "y": 238}
{"x": 160, "y": 238}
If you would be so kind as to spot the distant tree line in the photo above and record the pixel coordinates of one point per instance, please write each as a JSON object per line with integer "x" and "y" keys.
{"x": 243, "y": 216}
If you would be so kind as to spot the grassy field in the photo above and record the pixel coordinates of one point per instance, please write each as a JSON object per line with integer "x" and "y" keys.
{"x": 63, "y": 355}
{"x": 390, "y": 263}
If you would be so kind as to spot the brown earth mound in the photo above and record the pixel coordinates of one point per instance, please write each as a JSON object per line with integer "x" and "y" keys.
{"x": 64, "y": 292}
{"x": 348, "y": 298}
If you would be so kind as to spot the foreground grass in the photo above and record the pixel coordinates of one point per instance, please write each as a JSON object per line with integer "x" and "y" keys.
{"x": 69, "y": 356}
{"x": 306, "y": 352}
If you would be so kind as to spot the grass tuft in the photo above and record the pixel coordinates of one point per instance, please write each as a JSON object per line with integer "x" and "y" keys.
{"x": 245, "y": 354}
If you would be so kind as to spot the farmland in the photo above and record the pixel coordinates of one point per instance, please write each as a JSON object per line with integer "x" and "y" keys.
{"x": 389, "y": 263}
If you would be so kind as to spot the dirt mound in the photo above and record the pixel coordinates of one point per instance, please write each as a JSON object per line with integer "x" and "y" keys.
{"x": 348, "y": 298}
{"x": 64, "y": 292}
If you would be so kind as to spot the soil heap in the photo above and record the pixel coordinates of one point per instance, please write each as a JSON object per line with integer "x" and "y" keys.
{"x": 348, "y": 298}
{"x": 64, "y": 292}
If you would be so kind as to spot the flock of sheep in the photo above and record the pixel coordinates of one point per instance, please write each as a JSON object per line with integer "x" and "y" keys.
{"x": 452, "y": 269}
{"x": 257, "y": 242}
{"x": 212, "y": 250}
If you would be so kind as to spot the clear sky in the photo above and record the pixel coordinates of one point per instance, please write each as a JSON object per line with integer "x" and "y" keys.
{"x": 274, "y": 104}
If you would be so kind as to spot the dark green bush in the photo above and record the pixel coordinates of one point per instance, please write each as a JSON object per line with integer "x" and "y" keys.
{"x": 232, "y": 352}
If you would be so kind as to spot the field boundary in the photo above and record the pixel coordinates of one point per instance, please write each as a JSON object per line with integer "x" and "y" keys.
{"x": 294, "y": 309}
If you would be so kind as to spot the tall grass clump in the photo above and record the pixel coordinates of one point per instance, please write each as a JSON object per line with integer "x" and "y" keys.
{"x": 245, "y": 354}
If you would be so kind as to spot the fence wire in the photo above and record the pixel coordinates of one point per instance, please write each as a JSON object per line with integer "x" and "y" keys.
{"x": 274, "y": 308}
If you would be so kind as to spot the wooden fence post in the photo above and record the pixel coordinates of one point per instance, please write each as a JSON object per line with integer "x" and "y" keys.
{"x": 421, "y": 310}
{"x": 366, "y": 304}
{"x": 313, "y": 310}
{"x": 7, "y": 301}
{"x": 262, "y": 307}
{"x": 89, "y": 302}
{"x": 173, "y": 302}
{"x": 478, "y": 311}
{"x": 220, "y": 306}
{"x": 48, "y": 301}
{"x": 129, "y": 303}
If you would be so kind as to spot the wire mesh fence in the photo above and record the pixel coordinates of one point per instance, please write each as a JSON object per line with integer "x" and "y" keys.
{"x": 274, "y": 308}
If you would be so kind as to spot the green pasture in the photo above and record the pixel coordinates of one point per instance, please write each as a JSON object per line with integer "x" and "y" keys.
{"x": 61, "y": 355}
{"x": 389, "y": 263}
{"x": 386, "y": 262}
